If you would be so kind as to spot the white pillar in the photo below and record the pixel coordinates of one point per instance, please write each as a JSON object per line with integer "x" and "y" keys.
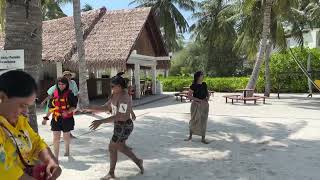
{"x": 145, "y": 73}
{"x": 166, "y": 73}
{"x": 154, "y": 79}
{"x": 137, "y": 80}
{"x": 130, "y": 76}
{"x": 59, "y": 69}
{"x": 114, "y": 71}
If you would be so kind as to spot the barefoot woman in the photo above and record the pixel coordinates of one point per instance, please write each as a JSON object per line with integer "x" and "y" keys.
{"x": 121, "y": 107}
{"x": 199, "y": 95}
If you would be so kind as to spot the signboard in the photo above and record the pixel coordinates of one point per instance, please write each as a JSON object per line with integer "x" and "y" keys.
{"x": 11, "y": 59}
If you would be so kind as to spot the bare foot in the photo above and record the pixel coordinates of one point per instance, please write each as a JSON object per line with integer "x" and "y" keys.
{"x": 108, "y": 176}
{"x": 204, "y": 141}
{"x": 188, "y": 139}
{"x": 140, "y": 165}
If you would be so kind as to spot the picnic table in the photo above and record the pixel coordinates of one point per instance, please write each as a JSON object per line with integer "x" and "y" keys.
{"x": 245, "y": 91}
{"x": 183, "y": 94}
{"x": 244, "y": 99}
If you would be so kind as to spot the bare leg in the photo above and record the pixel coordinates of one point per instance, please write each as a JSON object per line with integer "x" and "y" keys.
{"x": 67, "y": 139}
{"x": 190, "y": 136}
{"x": 139, "y": 162}
{"x": 113, "y": 159}
{"x": 204, "y": 141}
{"x": 56, "y": 143}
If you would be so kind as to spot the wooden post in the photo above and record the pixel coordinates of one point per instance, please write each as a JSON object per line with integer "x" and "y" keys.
{"x": 137, "y": 80}
{"x": 59, "y": 69}
{"x": 310, "y": 74}
{"x": 166, "y": 73}
{"x": 154, "y": 79}
{"x": 130, "y": 76}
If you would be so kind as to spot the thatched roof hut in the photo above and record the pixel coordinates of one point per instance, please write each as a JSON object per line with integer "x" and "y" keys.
{"x": 109, "y": 38}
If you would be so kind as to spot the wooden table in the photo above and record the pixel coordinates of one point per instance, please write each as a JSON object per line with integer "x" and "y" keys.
{"x": 245, "y": 91}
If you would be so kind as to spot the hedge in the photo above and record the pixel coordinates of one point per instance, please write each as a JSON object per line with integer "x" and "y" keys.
{"x": 284, "y": 74}
{"x": 228, "y": 84}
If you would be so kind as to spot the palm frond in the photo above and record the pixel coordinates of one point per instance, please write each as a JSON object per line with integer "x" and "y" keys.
{"x": 87, "y": 7}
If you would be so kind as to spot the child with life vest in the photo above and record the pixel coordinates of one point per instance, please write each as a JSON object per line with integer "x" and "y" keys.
{"x": 62, "y": 105}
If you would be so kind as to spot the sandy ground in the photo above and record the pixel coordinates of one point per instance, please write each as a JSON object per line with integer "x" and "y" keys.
{"x": 278, "y": 141}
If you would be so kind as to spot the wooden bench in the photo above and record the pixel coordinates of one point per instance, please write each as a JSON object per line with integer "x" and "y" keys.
{"x": 244, "y": 99}
{"x": 181, "y": 95}
{"x": 263, "y": 98}
{"x": 232, "y": 97}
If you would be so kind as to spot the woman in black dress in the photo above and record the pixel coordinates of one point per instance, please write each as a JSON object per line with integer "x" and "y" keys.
{"x": 199, "y": 95}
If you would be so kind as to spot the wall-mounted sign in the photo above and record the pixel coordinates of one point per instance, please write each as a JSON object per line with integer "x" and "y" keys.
{"x": 11, "y": 59}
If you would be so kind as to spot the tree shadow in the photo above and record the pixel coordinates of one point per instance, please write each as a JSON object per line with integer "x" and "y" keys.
{"x": 240, "y": 149}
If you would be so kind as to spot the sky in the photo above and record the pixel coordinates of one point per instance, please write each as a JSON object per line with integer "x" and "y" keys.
{"x": 117, "y": 4}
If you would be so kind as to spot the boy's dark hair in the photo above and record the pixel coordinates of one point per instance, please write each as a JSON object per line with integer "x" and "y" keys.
{"x": 119, "y": 80}
{"x": 17, "y": 84}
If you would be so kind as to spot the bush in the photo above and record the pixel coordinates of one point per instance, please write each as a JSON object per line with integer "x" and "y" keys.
{"x": 228, "y": 84}
{"x": 284, "y": 73}
{"x": 287, "y": 74}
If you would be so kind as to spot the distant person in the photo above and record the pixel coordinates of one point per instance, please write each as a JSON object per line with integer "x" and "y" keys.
{"x": 200, "y": 96}
{"x": 120, "y": 105}
{"x": 62, "y": 105}
{"x": 72, "y": 86}
{"x": 20, "y": 147}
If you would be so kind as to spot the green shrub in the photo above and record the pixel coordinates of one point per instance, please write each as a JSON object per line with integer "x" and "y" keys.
{"x": 287, "y": 74}
{"x": 228, "y": 84}
{"x": 284, "y": 73}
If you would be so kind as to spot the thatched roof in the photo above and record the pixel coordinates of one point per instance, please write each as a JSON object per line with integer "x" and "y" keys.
{"x": 58, "y": 38}
{"x": 110, "y": 39}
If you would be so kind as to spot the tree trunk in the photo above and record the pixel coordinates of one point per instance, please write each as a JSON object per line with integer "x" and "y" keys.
{"x": 23, "y": 30}
{"x": 267, "y": 73}
{"x": 265, "y": 36}
{"x": 310, "y": 74}
{"x": 83, "y": 93}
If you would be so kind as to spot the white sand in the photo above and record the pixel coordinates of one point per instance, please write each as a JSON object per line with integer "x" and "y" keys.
{"x": 276, "y": 141}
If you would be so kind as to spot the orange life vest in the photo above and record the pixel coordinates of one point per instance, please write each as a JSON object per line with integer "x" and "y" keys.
{"x": 60, "y": 104}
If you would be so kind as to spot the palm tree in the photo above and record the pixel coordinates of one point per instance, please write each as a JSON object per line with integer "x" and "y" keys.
{"x": 170, "y": 19}
{"x": 217, "y": 30}
{"x": 263, "y": 44}
{"x": 213, "y": 23}
{"x": 87, "y": 7}
{"x": 23, "y": 30}
{"x": 286, "y": 20}
{"x": 84, "y": 100}
{"x": 51, "y": 9}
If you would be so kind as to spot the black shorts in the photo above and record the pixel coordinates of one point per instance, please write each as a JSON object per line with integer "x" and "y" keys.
{"x": 64, "y": 125}
{"x": 122, "y": 130}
